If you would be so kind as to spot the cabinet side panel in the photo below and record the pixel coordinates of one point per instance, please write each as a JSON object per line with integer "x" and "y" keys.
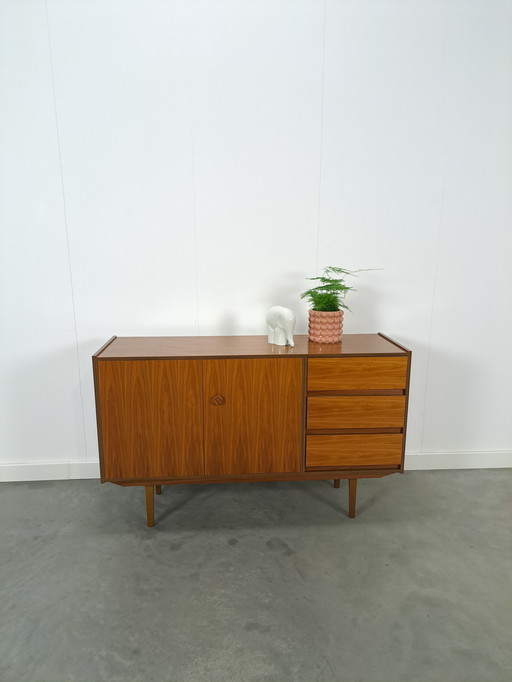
{"x": 258, "y": 428}
{"x": 151, "y": 418}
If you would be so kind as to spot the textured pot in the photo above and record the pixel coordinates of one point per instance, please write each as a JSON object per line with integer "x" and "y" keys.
{"x": 325, "y": 327}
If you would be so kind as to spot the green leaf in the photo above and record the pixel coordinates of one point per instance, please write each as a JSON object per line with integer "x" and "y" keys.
{"x": 330, "y": 293}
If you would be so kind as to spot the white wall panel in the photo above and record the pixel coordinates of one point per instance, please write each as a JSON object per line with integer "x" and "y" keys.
{"x": 256, "y": 87}
{"x": 469, "y": 396}
{"x": 213, "y": 156}
{"x": 122, "y": 102}
{"x": 40, "y": 402}
{"x": 122, "y": 90}
{"x": 382, "y": 168}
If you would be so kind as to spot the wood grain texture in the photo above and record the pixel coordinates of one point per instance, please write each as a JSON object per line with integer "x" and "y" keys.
{"x": 331, "y": 374}
{"x": 150, "y": 506}
{"x": 313, "y": 475}
{"x": 151, "y": 418}
{"x": 361, "y": 391}
{"x": 350, "y": 412}
{"x": 352, "y": 491}
{"x": 258, "y": 429}
{"x": 381, "y": 429}
{"x": 409, "y": 360}
{"x": 354, "y": 450}
{"x": 137, "y": 347}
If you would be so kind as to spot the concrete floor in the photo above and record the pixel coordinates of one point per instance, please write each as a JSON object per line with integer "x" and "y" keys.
{"x": 259, "y": 582}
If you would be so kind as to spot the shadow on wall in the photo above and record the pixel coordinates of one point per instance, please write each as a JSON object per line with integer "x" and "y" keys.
{"x": 229, "y": 325}
{"x": 366, "y": 303}
{"x": 43, "y": 416}
{"x": 443, "y": 416}
{"x": 367, "y": 310}
{"x": 285, "y": 290}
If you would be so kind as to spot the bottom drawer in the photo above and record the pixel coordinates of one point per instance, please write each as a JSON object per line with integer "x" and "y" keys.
{"x": 354, "y": 450}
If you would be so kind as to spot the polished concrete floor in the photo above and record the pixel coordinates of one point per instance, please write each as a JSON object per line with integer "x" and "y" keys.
{"x": 259, "y": 582}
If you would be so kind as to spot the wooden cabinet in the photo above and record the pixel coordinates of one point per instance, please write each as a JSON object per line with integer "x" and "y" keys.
{"x": 176, "y": 410}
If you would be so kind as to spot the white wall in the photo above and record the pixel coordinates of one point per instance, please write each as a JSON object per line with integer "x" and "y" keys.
{"x": 177, "y": 167}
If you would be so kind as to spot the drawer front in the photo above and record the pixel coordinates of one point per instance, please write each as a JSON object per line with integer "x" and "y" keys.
{"x": 354, "y": 450}
{"x": 356, "y": 412}
{"x": 368, "y": 373}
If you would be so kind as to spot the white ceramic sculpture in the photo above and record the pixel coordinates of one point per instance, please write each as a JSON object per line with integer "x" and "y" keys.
{"x": 280, "y": 326}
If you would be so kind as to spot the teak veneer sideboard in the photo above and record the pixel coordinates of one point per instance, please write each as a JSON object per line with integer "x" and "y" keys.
{"x": 237, "y": 409}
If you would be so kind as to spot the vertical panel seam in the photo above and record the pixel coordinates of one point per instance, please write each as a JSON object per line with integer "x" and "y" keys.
{"x": 194, "y": 222}
{"x": 438, "y": 245}
{"x": 203, "y": 412}
{"x": 66, "y": 230}
{"x": 434, "y": 291}
{"x": 320, "y": 169}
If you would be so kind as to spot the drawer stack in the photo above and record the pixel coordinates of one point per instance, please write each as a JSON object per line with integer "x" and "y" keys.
{"x": 356, "y": 410}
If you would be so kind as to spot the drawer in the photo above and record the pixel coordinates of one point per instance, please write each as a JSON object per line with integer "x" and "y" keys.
{"x": 354, "y": 450}
{"x": 367, "y": 373}
{"x": 356, "y": 412}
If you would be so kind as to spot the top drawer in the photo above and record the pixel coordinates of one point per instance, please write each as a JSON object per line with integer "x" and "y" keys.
{"x": 366, "y": 373}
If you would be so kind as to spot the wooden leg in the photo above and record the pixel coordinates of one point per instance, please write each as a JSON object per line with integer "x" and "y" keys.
{"x": 352, "y": 487}
{"x": 150, "y": 505}
{"x": 158, "y": 489}
{"x": 336, "y": 482}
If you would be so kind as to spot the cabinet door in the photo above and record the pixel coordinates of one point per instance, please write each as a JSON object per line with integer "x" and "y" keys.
{"x": 253, "y": 416}
{"x": 150, "y": 418}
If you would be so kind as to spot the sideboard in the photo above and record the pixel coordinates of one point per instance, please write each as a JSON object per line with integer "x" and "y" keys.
{"x": 221, "y": 409}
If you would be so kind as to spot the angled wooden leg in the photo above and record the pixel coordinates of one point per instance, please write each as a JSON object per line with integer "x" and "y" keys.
{"x": 150, "y": 505}
{"x": 336, "y": 482}
{"x": 158, "y": 489}
{"x": 352, "y": 487}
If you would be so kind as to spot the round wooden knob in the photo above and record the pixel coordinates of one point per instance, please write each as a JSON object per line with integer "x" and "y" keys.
{"x": 217, "y": 400}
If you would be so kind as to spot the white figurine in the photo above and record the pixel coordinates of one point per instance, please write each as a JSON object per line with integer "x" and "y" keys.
{"x": 280, "y": 326}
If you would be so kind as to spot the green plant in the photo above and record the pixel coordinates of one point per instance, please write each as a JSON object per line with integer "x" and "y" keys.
{"x": 330, "y": 293}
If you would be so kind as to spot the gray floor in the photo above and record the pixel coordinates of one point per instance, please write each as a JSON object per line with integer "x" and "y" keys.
{"x": 259, "y": 582}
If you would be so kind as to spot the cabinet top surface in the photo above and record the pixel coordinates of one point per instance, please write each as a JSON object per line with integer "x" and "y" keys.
{"x": 142, "y": 347}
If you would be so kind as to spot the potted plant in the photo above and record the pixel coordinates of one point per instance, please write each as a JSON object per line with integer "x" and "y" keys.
{"x": 327, "y": 303}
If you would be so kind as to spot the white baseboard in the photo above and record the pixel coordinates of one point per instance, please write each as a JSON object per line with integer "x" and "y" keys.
{"x": 414, "y": 461}
{"x": 487, "y": 459}
{"x": 48, "y": 471}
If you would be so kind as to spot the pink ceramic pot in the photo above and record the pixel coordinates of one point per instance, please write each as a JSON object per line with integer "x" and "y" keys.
{"x": 325, "y": 327}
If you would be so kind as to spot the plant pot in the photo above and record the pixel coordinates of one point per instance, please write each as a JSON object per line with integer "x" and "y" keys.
{"x": 325, "y": 327}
